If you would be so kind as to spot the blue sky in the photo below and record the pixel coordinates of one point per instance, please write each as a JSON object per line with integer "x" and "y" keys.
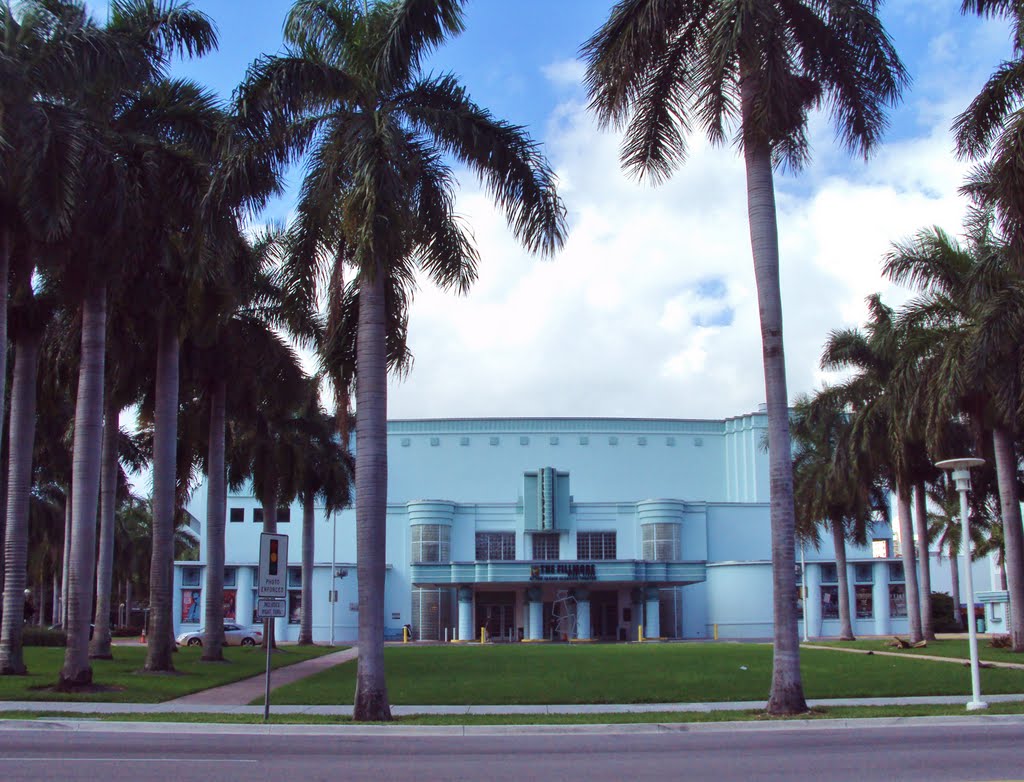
{"x": 650, "y": 310}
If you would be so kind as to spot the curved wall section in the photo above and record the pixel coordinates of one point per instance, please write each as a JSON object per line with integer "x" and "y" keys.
{"x": 430, "y": 512}
{"x": 660, "y": 529}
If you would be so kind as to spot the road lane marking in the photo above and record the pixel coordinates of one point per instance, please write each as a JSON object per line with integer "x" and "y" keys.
{"x": 131, "y": 760}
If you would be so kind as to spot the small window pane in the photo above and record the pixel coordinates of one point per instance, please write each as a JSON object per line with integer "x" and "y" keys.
{"x": 284, "y": 515}
{"x": 257, "y": 515}
{"x": 237, "y": 515}
{"x": 829, "y": 574}
{"x": 294, "y": 607}
{"x": 864, "y": 573}
{"x": 295, "y": 577}
{"x": 864, "y": 598}
{"x": 830, "y": 602}
{"x": 230, "y": 574}
{"x": 545, "y": 546}
{"x": 190, "y": 576}
{"x": 897, "y": 600}
{"x": 895, "y": 572}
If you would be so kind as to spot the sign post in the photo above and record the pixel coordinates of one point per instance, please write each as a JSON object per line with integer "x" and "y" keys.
{"x": 271, "y": 592}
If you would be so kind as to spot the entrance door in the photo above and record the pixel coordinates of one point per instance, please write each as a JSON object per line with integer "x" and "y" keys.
{"x": 496, "y": 611}
{"x": 604, "y": 615}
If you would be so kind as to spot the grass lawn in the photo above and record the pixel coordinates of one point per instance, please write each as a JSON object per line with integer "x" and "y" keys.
{"x": 665, "y": 673}
{"x": 129, "y": 685}
{"x": 954, "y": 647}
{"x": 744, "y": 715}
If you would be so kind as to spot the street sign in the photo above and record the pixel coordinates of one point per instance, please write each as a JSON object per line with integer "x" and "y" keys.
{"x": 273, "y": 574}
{"x": 271, "y": 608}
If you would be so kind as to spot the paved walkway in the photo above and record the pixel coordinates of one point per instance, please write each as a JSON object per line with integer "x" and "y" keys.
{"x": 915, "y": 656}
{"x": 244, "y": 692}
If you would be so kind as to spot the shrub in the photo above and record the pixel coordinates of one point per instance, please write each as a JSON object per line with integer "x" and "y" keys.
{"x": 999, "y": 642}
{"x": 41, "y": 636}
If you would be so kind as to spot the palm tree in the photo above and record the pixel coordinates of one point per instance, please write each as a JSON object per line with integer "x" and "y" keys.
{"x": 351, "y": 86}
{"x": 655, "y": 68}
{"x": 970, "y": 310}
{"x": 829, "y": 488}
{"x": 883, "y": 437}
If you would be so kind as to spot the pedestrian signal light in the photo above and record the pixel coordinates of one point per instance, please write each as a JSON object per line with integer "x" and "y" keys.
{"x": 272, "y": 569}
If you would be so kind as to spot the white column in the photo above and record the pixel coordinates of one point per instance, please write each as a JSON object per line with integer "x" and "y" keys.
{"x": 880, "y": 598}
{"x": 465, "y": 614}
{"x": 812, "y": 607}
{"x": 583, "y": 614}
{"x": 652, "y": 622}
{"x": 243, "y": 597}
{"x": 535, "y": 615}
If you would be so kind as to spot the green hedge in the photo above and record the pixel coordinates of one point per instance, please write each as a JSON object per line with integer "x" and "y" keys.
{"x": 41, "y": 636}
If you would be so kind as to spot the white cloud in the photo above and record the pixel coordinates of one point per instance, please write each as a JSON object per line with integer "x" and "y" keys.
{"x": 651, "y": 308}
{"x": 565, "y": 73}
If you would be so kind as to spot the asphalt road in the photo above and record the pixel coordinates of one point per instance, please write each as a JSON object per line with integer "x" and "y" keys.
{"x": 985, "y": 751}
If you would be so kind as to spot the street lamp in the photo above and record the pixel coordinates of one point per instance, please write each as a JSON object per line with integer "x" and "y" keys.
{"x": 961, "y": 469}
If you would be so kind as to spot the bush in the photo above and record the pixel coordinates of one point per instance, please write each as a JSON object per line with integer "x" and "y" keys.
{"x": 41, "y": 636}
{"x": 999, "y": 642}
{"x": 126, "y": 632}
{"x": 942, "y": 614}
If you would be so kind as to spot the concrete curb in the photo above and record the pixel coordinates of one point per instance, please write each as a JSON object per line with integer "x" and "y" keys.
{"x": 164, "y": 728}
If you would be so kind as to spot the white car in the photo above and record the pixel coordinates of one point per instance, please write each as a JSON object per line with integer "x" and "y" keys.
{"x": 234, "y": 635}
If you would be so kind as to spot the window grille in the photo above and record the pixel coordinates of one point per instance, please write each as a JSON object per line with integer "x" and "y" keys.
{"x": 545, "y": 546}
{"x": 495, "y": 546}
{"x": 431, "y": 613}
{"x": 431, "y": 543}
{"x": 595, "y": 545}
{"x": 661, "y": 542}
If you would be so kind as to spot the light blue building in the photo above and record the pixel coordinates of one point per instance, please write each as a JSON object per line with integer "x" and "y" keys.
{"x": 563, "y": 528}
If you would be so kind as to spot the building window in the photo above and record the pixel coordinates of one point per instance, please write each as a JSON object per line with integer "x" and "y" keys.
{"x": 595, "y": 545}
{"x": 495, "y": 546}
{"x": 190, "y": 576}
{"x": 864, "y": 598}
{"x": 863, "y": 573}
{"x": 190, "y": 602}
{"x": 897, "y": 600}
{"x": 237, "y": 515}
{"x": 798, "y": 573}
{"x": 431, "y": 543}
{"x": 660, "y": 542}
{"x": 829, "y": 573}
{"x": 294, "y": 606}
{"x": 895, "y": 572}
{"x": 295, "y": 577}
{"x": 230, "y": 576}
{"x": 230, "y": 601}
{"x": 830, "y": 602}
{"x": 880, "y": 548}
{"x": 284, "y": 515}
{"x": 545, "y": 546}
{"x": 257, "y": 515}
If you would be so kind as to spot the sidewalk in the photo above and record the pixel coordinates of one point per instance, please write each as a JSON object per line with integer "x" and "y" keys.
{"x": 243, "y": 692}
{"x": 904, "y": 656}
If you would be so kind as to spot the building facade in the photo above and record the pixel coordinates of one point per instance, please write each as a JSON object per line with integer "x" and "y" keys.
{"x": 563, "y": 529}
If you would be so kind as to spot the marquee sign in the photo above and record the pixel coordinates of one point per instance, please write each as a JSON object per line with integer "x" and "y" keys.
{"x": 564, "y": 571}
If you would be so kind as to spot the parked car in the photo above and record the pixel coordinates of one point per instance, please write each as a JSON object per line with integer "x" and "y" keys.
{"x": 234, "y": 635}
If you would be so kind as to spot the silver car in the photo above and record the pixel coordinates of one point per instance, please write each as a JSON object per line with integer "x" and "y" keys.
{"x": 234, "y": 635}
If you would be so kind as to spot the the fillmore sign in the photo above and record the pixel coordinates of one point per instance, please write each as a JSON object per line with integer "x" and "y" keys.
{"x": 568, "y": 571}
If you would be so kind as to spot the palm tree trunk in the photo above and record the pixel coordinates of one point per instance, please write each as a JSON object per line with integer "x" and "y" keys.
{"x": 909, "y": 563}
{"x": 371, "y": 697}
{"x": 787, "y": 693}
{"x": 19, "y": 482}
{"x": 954, "y": 573}
{"x": 1013, "y": 536}
{"x": 85, "y": 472}
{"x": 5, "y": 270}
{"x": 924, "y": 565}
{"x": 216, "y": 510}
{"x": 99, "y": 647}
{"x": 160, "y": 646}
{"x": 839, "y": 542}
{"x": 66, "y": 572}
{"x": 55, "y": 596}
{"x": 308, "y": 531}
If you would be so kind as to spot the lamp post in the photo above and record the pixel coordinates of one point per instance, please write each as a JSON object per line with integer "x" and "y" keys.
{"x": 961, "y": 470}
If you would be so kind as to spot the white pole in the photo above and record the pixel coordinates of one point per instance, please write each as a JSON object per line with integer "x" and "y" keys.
{"x": 333, "y": 602}
{"x": 803, "y": 577}
{"x": 962, "y": 482}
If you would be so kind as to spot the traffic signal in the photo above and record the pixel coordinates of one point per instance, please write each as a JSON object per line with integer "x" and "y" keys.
{"x": 272, "y": 569}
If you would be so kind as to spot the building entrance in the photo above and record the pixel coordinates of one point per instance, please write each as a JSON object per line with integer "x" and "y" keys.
{"x": 496, "y": 611}
{"x": 604, "y": 615}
